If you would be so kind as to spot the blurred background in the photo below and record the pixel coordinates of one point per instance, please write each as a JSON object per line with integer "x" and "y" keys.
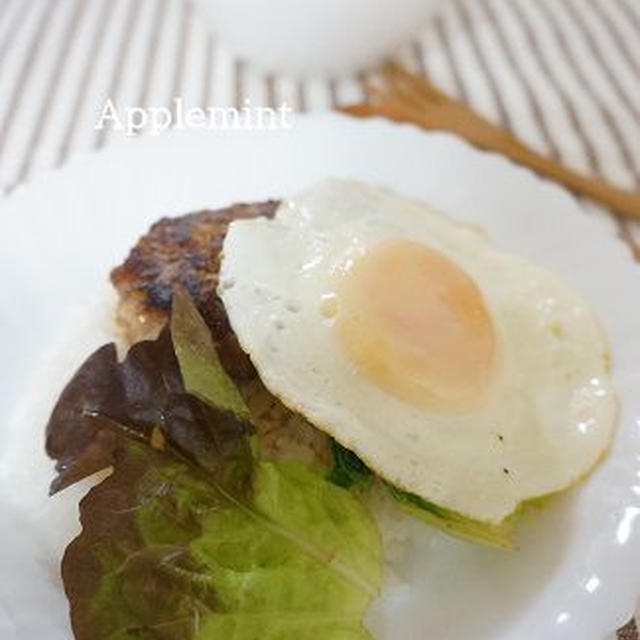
{"x": 564, "y": 75}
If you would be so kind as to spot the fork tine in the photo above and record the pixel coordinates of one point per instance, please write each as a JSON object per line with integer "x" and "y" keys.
{"x": 397, "y": 87}
{"x": 419, "y": 85}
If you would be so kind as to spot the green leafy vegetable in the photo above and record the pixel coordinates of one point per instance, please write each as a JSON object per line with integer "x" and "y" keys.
{"x": 191, "y": 537}
{"x": 165, "y": 554}
{"x": 455, "y": 524}
{"x": 144, "y": 398}
{"x": 349, "y": 470}
{"x": 200, "y": 366}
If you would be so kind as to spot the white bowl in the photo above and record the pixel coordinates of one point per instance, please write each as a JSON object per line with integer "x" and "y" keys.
{"x": 315, "y": 37}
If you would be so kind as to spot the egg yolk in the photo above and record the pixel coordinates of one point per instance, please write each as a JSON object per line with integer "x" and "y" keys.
{"x": 416, "y": 325}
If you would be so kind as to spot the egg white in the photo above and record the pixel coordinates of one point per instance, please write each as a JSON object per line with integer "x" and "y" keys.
{"x": 550, "y": 410}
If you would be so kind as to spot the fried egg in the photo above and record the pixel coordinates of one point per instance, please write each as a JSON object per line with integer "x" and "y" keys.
{"x": 472, "y": 378}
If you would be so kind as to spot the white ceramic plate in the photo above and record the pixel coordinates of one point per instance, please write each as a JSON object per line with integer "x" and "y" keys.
{"x": 576, "y": 574}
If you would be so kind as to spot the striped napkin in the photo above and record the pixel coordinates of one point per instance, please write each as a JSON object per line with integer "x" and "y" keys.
{"x": 564, "y": 75}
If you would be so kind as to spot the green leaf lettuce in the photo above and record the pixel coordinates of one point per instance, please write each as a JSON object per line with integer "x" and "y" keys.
{"x": 191, "y": 537}
{"x": 350, "y": 471}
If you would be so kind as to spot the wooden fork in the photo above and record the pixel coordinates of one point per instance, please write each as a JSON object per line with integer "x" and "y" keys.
{"x": 405, "y": 97}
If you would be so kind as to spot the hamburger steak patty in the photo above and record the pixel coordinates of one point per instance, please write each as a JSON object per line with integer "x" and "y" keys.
{"x": 183, "y": 250}
{"x": 186, "y": 250}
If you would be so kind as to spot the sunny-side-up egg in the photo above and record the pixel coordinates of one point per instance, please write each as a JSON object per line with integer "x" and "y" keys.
{"x": 468, "y": 376}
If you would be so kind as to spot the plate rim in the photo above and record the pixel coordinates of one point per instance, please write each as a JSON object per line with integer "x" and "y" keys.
{"x": 90, "y": 161}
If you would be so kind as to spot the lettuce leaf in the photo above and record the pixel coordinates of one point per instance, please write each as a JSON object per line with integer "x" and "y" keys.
{"x": 455, "y": 524}
{"x": 350, "y": 471}
{"x": 191, "y": 537}
{"x": 164, "y": 553}
{"x": 143, "y": 398}
{"x": 200, "y": 366}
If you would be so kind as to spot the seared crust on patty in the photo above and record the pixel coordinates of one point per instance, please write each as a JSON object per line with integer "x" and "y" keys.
{"x": 186, "y": 250}
{"x": 183, "y": 250}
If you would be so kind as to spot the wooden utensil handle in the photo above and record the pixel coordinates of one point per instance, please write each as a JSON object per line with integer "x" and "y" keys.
{"x": 461, "y": 120}
{"x": 620, "y": 200}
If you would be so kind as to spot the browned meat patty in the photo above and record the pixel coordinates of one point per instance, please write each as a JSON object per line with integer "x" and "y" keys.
{"x": 186, "y": 250}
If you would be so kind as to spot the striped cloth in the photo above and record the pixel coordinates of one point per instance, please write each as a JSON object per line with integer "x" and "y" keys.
{"x": 564, "y": 75}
